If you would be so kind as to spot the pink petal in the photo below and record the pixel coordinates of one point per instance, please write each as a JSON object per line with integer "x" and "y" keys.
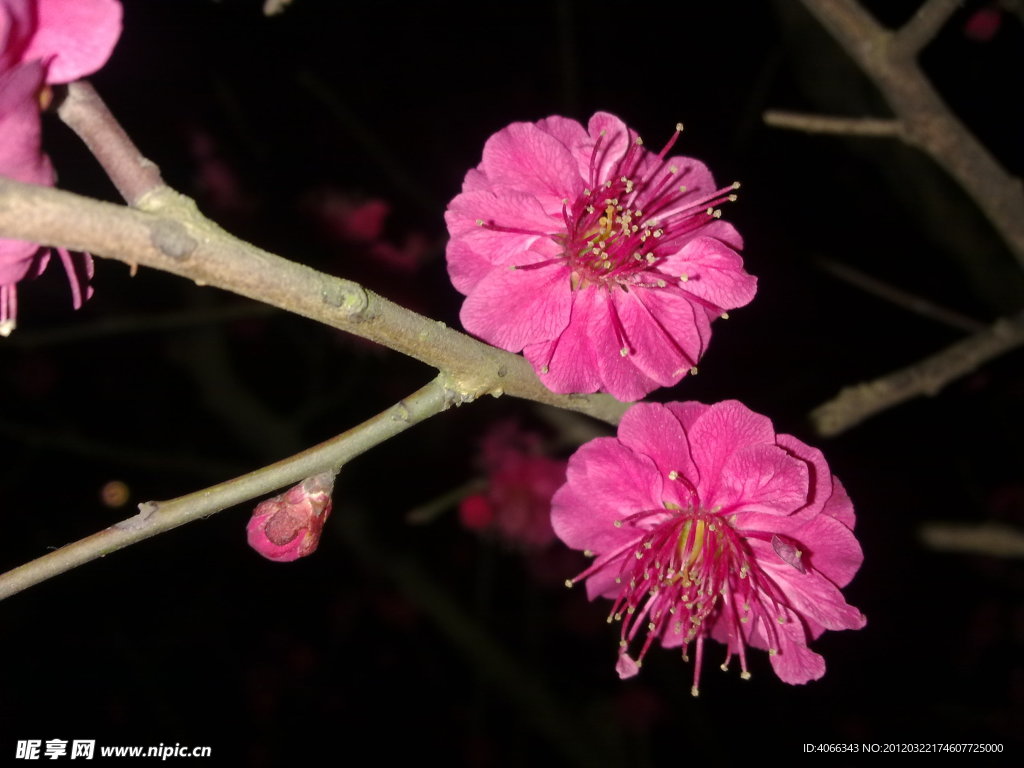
{"x": 651, "y": 430}
{"x": 619, "y": 376}
{"x": 794, "y": 662}
{"x": 17, "y": 23}
{"x": 839, "y": 505}
{"x": 761, "y": 478}
{"x": 820, "y": 488}
{"x": 75, "y": 37}
{"x": 605, "y": 482}
{"x": 724, "y": 428}
{"x": 522, "y": 156}
{"x": 687, "y": 413}
{"x": 626, "y": 667}
{"x": 569, "y": 360}
{"x": 568, "y": 132}
{"x": 505, "y": 208}
{"x": 511, "y": 308}
{"x": 466, "y": 267}
{"x": 662, "y": 331}
{"x": 831, "y": 548}
{"x": 21, "y": 157}
{"x": 809, "y": 594}
{"x": 611, "y": 138}
{"x": 714, "y": 272}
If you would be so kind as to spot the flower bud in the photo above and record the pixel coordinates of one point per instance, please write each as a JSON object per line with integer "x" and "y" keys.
{"x": 288, "y": 526}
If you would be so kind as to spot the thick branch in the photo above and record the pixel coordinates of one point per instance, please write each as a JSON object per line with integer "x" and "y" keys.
{"x": 159, "y": 516}
{"x": 857, "y": 403}
{"x": 889, "y": 60}
{"x": 169, "y": 234}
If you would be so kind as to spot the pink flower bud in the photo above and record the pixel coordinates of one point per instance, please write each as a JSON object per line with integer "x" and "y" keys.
{"x": 288, "y": 526}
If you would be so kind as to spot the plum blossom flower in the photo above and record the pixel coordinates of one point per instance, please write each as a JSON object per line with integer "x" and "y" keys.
{"x": 603, "y": 262}
{"x": 43, "y": 42}
{"x": 516, "y": 504}
{"x": 705, "y": 523}
{"x": 288, "y": 526}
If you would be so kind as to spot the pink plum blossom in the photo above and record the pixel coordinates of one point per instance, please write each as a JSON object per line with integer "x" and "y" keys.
{"x": 705, "y": 523}
{"x": 288, "y": 526}
{"x": 43, "y": 42}
{"x": 516, "y": 503}
{"x": 603, "y": 262}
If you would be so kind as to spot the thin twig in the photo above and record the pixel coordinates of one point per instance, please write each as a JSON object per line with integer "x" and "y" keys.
{"x": 924, "y": 25}
{"x": 159, "y": 516}
{"x": 901, "y": 298}
{"x": 988, "y": 539}
{"x": 889, "y": 60}
{"x": 169, "y": 234}
{"x": 926, "y": 377}
{"x": 84, "y": 112}
{"x": 844, "y": 126}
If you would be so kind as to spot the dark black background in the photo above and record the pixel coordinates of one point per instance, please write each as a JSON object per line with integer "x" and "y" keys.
{"x": 423, "y": 640}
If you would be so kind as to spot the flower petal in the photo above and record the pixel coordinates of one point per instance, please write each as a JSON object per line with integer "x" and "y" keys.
{"x": 75, "y": 37}
{"x": 524, "y": 157}
{"x": 714, "y": 272}
{"x": 567, "y": 364}
{"x": 605, "y": 482}
{"x": 511, "y": 308}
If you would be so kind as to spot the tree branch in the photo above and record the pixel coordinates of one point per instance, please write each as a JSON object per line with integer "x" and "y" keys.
{"x": 859, "y": 402}
{"x": 156, "y": 517}
{"x": 84, "y": 112}
{"x": 901, "y": 298}
{"x": 988, "y": 539}
{"x": 169, "y": 233}
{"x": 928, "y": 123}
{"x": 924, "y": 25}
{"x": 843, "y": 126}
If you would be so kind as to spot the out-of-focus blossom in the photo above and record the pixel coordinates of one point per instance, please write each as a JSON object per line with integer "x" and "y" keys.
{"x": 43, "y": 42}
{"x": 705, "y": 523}
{"x": 361, "y": 222}
{"x": 288, "y": 526}
{"x": 516, "y": 504}
{"x": 983, "y": 25}
{"x": 603, "y": 262}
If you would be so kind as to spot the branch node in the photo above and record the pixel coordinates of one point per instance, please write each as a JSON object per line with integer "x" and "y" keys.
{"x": 172, "y": 239}
{"x": 137, "y": 522}
{"x": 346, "y": 296}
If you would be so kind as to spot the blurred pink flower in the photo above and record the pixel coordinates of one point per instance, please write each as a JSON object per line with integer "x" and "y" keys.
{"x": 43, "y": 42}
{"x": 706, "y": 523}
{"x": 361, "y": 222}
{"x": 288, "y": 526}
{"x": 983, "y": 25}
{"x": 516, "y": 505}
{"x": 603, "y": 262}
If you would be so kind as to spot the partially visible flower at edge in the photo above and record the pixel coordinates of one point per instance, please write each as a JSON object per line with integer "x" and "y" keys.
{"x": 704, "y": 523}
{"x": 603, "y": 262}
{"x": 288, "y": 526}
{"x": 516, "y": 503}
{"x": 43, "y": 42}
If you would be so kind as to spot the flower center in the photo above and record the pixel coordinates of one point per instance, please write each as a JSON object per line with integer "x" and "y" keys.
{"x": 689, "y": 570}
{"x": 621, "y": 228}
